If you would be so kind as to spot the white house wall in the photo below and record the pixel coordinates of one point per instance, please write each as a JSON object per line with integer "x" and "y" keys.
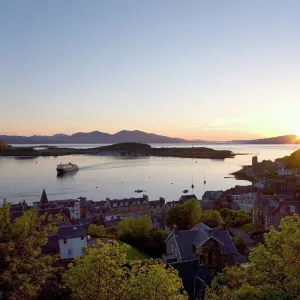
{"x": 75, "y": 244}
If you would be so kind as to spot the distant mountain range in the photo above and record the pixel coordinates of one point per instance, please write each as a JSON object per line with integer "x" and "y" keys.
{"x": 125, "y": 136}
{"x": 95, "y": 137}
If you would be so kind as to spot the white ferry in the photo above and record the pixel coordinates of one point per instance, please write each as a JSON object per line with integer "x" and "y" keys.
{"x": 61, "y": 168}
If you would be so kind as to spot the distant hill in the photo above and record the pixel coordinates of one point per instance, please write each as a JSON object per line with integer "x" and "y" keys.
{"x": 95, "y": 137}
{"x": 291, "y": 161}
{"x": 285, "y": 139}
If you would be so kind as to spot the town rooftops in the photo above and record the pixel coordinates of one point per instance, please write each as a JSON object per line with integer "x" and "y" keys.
{"x": 74, "y": 231}
{"x": 212, "y": 195}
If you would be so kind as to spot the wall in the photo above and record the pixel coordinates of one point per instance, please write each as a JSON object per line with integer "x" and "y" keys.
{"x": 75, "y": 244}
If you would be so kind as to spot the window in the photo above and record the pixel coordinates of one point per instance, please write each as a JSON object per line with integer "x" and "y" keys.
{"x": 69, "y": 252}
{"x": 292, "y": 208}
{"x": 209, "y": 258}
{"x": 126, "y": 203}
{"x": 82, "y": 238}
{"x": 65, "y": 241}
{"x": 121, "y": 204}
{"x": 115, "y": 205}
{"x": 63, "y": 219}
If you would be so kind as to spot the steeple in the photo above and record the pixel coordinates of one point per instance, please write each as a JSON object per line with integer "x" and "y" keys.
{"x": 44, "y": 199}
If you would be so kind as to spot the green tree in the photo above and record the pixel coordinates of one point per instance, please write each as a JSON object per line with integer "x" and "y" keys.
{"x": 175, "y": 216}
{"x": 135, "y": 228}
{"x": 102, "y": 273}
{"x": 99, "y": 274}
{"x": 235, "y": 218}
{"x": 152, "y": 280}
{"x": 97, "y": 230}
{"x": 192, "y": 212}
{"x": 211, "y": 218}
{"x": 239, "y": 243}
{"x": 23, "y": 270}
{"x": 273, "y": 269}
{"x": 184, "y": 216}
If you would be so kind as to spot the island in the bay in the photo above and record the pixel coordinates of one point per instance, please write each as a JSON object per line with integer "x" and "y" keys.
{"x": 121, "y": 149}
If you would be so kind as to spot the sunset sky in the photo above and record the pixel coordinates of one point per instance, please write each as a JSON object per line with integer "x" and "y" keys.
{"x": 213, "y": 70}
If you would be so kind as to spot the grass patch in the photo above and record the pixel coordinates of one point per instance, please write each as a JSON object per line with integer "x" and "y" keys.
{"x": 133, "y": 252}
{"x": 247, "y": 227}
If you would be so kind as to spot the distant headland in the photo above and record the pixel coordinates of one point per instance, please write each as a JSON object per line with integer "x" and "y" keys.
{"x": 120, "y": 149}
{"x": 125, "y": 136}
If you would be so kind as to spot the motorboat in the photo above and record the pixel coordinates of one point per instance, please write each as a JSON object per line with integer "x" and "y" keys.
{"x": 62, "y": 168}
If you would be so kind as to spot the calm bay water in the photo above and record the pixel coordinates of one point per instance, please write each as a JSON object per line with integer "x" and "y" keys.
{"x": 118, "y": 177}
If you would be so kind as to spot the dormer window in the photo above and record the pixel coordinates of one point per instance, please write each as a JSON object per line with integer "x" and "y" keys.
{"x": 115, "y": 205}
{"x": 133, "y": 203}
{"x": 121, "y": 204}
{"x": 145, "y": 202}
{"x": 126, "y": 203}
{"x": 138, "y": 203}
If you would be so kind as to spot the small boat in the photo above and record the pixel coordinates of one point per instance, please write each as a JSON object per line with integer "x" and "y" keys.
{"x": 62, "y": 168}
{"x": 139, "y": 191}
{"x": 185, "y": 191}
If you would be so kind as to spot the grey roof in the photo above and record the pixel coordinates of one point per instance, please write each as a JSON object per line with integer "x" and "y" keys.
{"x": 200, "y": 226}
{"x": 185, "y": 239}
{"x": 44, "y": 198}
{"x": 245, "y": 207}
{"x": 223, "y": 236}
{"x": 190, "y": 270}
{"x": 212, "y": 195}
{"x": 74, "y": 231}
{"x": 205, "y": 205}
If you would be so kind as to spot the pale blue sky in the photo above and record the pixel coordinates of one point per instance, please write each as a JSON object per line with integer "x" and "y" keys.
{"x": 196, "y": 69}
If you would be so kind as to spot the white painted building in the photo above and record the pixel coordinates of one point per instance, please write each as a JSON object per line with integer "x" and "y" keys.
{"x": 247, "y": 198}
{"x": 73, "y": 206}
{"x": 72, "y": 240}
{"x": 282, "y": 171}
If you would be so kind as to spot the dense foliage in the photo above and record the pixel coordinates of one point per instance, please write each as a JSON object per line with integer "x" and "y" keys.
{"x": 113, "y": 279}
{"x": 273, "y": 270}
{"x": 96, "y": 230}
{"x": 23, "y": 270}
{"x": 211, "y": 218}
{"x": 184, "y": 216}
{"x": 235, "y": 218}
{"x": 140, "y": 233}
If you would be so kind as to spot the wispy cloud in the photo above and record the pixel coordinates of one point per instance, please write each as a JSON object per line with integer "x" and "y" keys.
{"x": 192, "y": 126}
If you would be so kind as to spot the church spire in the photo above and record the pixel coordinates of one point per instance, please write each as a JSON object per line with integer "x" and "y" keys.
{"x": 44, "y": 199}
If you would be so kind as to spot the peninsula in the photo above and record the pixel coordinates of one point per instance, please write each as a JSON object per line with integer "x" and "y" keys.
{"x": 121, "y": 149}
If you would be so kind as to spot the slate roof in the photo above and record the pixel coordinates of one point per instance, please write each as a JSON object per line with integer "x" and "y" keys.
{"x": 223, "y": 236}
{"x": 212, "y": 195}
{"x": 190, "y": 270}
{"x": 74, "y": 231}
{"x": 185, "y": 239}
{"x": 200, "y": 226}
{"x": 205, "y": 205}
